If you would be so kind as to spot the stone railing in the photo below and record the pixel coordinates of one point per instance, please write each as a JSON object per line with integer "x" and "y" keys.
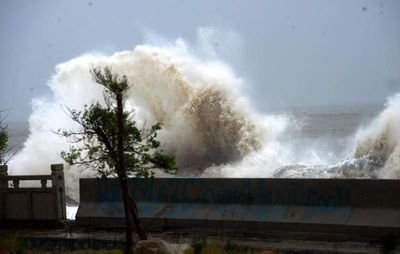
{"x": 33, "y": 203}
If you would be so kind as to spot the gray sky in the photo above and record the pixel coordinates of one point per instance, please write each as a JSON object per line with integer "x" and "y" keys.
{"x": 291, "y": 53}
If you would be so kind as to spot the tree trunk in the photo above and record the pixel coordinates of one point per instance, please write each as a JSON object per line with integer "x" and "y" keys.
{"x": 139, "y": 230}
{"x": 130, "y": 212}
{"x": 123, "y": 175}
{"x": 128, "y": 215}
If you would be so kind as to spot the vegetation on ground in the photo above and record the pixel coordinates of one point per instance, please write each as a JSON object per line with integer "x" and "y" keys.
{"x": 15, "y": 243}
{"x": 201, "y": 245}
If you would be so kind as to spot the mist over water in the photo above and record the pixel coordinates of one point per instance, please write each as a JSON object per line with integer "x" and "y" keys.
{"x": 209, "y": 126}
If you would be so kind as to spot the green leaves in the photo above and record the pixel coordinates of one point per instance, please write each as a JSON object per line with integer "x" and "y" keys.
{"x": 95, "y": 143}
{"x": 3, "y": 140}
{"x": 164, "y": 161}
{"x": 115, "y": 85}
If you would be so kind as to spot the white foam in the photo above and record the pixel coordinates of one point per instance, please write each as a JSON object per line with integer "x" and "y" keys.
{"x": 206, "y": 122}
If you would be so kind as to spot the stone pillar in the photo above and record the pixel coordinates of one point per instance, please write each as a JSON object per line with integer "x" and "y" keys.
{"x": 3, "y": 186}
{"x": 58, "y": 185}
{"x": 3, "y": 173}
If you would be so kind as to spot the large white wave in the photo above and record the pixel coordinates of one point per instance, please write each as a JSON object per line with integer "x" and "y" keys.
{"x": 206, "y": 122}
{"x": 209, "y": 126}
{"x": 379, "y": 143}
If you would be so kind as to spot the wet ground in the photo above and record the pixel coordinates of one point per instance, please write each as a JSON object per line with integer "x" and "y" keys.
{"x": 62, "y": 240}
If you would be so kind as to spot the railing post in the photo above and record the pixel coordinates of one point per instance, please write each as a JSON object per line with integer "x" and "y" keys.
{"x": 3, "y": 186}
{"x": 3, "y": 174}
{"x": 58, "y": 185}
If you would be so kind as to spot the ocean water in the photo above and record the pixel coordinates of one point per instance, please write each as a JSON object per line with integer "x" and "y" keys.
{"x": 331, "y": 124}
{"x": 317, "y": 135}
{"x": 323, "y": 140}
{"x": 330, "y": 128}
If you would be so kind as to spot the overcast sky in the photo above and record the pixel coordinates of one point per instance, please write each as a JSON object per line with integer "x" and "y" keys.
{"x": 290, "y": 53}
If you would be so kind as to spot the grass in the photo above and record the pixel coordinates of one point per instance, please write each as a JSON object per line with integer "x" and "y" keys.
{"x": 90, "y": 251}
{"x": 217, "y": 249}
{"x": 10, "y": 243}
{"x": 201, "y": 246}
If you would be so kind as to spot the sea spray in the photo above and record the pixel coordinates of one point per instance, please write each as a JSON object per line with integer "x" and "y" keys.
{"x": 375, "y": 152}
{"x": 206, "y": 122}
{"x": 379, "y": 143}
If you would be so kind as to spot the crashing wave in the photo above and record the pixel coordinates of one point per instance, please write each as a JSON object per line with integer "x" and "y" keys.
{"x": 206, "y": 122}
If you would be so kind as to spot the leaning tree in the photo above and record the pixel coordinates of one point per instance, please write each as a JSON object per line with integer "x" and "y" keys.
{"x": 109, "y": 141}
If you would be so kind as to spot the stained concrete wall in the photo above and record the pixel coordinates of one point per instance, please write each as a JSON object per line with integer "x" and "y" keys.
{"x": 248, "y": 205}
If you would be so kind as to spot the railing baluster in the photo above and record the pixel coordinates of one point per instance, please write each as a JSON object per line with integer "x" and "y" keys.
{"x": 16, "y": 184}
{"x": 43, "y": 182}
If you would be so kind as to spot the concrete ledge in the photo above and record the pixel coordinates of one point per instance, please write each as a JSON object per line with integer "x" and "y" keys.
{"x": 367, "y": 208}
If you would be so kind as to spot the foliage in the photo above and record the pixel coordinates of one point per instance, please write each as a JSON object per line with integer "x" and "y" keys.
{"x": 212, "y": 249}
{"x": 95, "y": 143}
{"x": 3, "y": 141}
{"x": 201, "y": 245}
{"x": 11, "y": 242}
{"x": 92, "y": 251}
{"x": 198, "y": 243}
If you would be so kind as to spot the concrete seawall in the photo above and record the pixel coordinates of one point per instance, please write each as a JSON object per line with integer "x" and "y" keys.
{"x": 360, "y": 208}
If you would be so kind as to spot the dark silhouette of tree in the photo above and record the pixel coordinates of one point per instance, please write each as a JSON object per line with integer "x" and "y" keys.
{"x": 3, "y": 141}
{"x": 7, "y": 152}
{"x": 109, "y": 141}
